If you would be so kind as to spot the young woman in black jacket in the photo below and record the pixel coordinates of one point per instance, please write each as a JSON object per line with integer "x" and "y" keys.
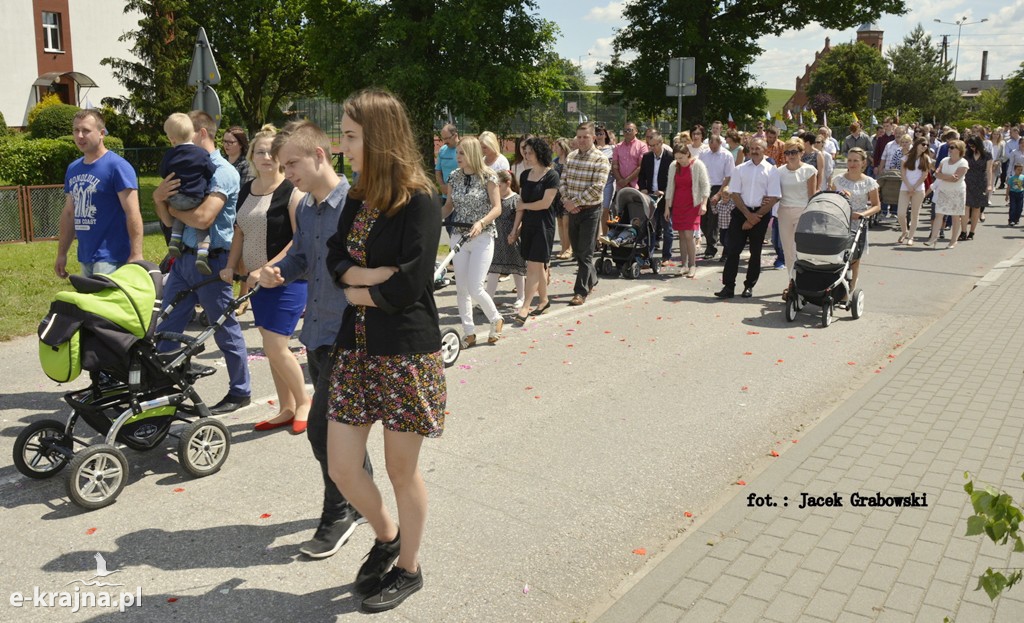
{"x": 387, "y": 364}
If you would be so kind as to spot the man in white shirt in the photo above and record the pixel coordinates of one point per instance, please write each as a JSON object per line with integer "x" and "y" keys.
{"x": 755, "y": 190}
{"x": 720, "y": 164}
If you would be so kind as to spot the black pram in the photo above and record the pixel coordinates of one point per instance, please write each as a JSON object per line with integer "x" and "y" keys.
{"x": 825, "y": 247}
{"x": 631, "y": 228}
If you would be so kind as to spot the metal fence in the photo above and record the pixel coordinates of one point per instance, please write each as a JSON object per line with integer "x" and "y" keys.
{"x": 29, "y": 213}
{"x": 145, "y": 159}
{"x": 557, "y": 117}
{"x": 12, "y": 222}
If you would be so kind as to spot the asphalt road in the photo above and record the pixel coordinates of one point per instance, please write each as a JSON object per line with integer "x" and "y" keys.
{"x": 575, "y": 450}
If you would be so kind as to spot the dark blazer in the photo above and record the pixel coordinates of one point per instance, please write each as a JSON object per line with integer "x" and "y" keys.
{"x": 405, "y": 319}
{"x": 647, "y": 170}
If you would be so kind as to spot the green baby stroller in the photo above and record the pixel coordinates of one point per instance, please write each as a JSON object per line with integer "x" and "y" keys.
{"x": 107, "y": 326}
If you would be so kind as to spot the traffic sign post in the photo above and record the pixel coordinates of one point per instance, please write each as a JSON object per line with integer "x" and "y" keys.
{"x": 682, "y": 78}
{"x": 202, "y": 74}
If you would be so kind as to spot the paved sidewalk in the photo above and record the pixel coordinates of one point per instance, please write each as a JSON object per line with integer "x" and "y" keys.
{"x": 950, "y": 403}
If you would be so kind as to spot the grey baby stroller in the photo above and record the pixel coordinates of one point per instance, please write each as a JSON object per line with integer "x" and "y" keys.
{"x": 825, "y": 247}
{"x": 626, "y": 246}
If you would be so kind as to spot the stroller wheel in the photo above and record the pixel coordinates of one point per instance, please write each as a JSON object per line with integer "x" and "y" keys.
{"x": 451, "y": 346}
{"x": 655, "y": 265}
{"x": 608, "y": 265}
{"x": 35, "y": 453}
{"x": 98, "y": 474}
{"x": 857, "y": 303}
{"x": 791, "y": 308}
{"x": 203, "y": 446}
{"x": 631, "y": 271}
{"x": 826, "y": 313}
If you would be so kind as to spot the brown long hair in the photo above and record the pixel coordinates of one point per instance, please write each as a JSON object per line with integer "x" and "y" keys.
{"x": 925, "y": 162}
{"x": 392, "y": 169}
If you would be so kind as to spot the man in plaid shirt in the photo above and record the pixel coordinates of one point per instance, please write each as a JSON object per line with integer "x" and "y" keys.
{"x": 582, "y": 187}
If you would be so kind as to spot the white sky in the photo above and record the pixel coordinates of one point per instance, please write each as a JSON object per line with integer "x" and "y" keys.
{"x": 588, "y": 28}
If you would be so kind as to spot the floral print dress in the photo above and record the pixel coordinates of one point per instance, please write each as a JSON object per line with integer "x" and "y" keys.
{"x": 407, "y": 393}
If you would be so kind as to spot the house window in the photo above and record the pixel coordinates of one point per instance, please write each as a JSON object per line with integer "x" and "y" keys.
{"x": 51, "y": 32}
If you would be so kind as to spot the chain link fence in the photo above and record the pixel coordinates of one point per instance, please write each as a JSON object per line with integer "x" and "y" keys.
{"x": 45, "y": 205}
{"x": 12, "y": 219}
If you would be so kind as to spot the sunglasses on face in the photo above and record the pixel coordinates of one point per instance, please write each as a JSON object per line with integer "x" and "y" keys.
{"x": 792, "y": 152}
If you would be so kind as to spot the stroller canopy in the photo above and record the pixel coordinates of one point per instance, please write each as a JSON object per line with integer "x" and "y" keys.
{"x": 631, "y": 204}
{"x": 824, "y": 226}
{"x": 129, "y": 297}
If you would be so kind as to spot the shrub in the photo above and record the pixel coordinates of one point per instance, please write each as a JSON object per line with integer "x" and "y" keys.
{"x": 3, "y": 126}
{"x": 41, "y": 161}
{"x": 51, "y": 99}
{"x": 53, "y": 121}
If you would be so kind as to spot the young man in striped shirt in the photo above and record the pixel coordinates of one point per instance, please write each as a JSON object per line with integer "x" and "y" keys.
{"x": 582, "y": 187}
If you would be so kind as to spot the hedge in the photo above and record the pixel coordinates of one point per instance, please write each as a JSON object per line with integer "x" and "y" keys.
{"x": 42, "y": 161}
{"x": 53, "y": 121}
{"x": 3, "y": 126}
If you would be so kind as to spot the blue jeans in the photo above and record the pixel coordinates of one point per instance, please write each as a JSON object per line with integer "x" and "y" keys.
{"x": 665, "y": 226}
{"x": 1016, "y": 206}
{"x": 780, "y": 257}
{"x": 214, "y": 298}
{"x": 318, "y": 362}
{"x": 98, "y": 268}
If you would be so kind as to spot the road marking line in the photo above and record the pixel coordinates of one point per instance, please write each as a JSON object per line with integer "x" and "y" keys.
{"x": 606, "y": 301}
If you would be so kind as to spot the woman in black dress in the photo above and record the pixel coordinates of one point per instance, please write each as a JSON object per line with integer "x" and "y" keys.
{"x": 535, "y": 224}
{"x": 979, "y": 183}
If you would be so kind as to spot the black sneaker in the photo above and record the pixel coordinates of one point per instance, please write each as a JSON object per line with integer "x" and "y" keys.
{"x": 378, "y": 561}
{"x": 396, "y": 586}
{"x": 330, "y": 535}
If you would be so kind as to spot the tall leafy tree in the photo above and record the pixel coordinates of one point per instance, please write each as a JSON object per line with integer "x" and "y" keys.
{"x": 257, "y": 45}
{"x": 920, "y": 79}
{"x": 1015, "y": 96}
{"x": 846, "y": 71}
{"x": 155, "y": 81}
{"x": 723, "y": 38}
{"x": 478, "y": 58}
{"x": 259, "y": 49}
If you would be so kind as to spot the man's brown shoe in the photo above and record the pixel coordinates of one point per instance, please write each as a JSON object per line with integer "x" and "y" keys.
{"x": 578, "y": 300}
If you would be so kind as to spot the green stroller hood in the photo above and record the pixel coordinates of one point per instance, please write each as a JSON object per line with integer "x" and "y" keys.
{"x": 129, "y": 297}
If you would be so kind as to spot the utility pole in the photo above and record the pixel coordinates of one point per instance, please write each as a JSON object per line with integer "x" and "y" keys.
{"x": 945, "y": 46}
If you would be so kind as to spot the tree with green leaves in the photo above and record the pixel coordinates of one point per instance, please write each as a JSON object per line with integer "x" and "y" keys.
{"x": 155, "y": 81}
{"x": 723, "y": 38}
{"x": 477, "y": 58}
{"x": 1015, "y": 95}
{"x": 259, "y": 49}
{"x": 921, "y": 79}
{"x": 846, "y": 72}
{"x": 257, "y": 45}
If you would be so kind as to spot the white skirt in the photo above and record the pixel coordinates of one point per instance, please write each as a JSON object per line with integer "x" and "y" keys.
{"x": 950, "y": 199}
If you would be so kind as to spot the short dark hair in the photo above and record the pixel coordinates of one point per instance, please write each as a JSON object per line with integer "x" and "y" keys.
{"x": 541, "y": 150}
{"x": 241, "y": 136}
{"x": 587, "y": 125}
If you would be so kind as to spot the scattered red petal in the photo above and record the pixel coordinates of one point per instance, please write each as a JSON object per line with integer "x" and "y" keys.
{"x": 579, "y": 322}
{"x": 779, "y": 361}
{"x": 568, "y": 345}
{"x": 807, "y": 334}
{"x": 744, "y": 388}
{"x": 687, "y": 514}
{"x": 742, "y": 483}
{"x": 792, "y": 337}
{"x": 640, "y": 551}
{"x": 892, "y": 356}
{"x": 795, "y": 440}
{"x": 774, "y": 453}
{"x": 91, "y": 531}
{"x": 753, "y": 333}
{"x": 529, "y": 387}
{"x": 607, "y": 332}
{"x": 522, "y": 352}
{"x": 658, "y": 318}
{"x": 851, "y": 363}
{"x": 748, "y": 353}
{"x": 171, "y": 600}
{"x": 270, "y": 402}
{"x": 265, "y": 516}
{"x": 537, "y": 397}
{"x": 178, "y": 489}
{"x": 447, "y": 412}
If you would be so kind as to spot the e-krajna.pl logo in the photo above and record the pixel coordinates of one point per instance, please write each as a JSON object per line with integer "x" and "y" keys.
{"x": 77, "y": 598}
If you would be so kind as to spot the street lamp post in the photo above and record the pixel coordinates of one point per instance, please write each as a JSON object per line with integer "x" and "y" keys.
{"x": 960, "y": 23}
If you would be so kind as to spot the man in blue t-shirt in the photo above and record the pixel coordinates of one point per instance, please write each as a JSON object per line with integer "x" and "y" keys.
{"x": 216, "y": 213}
{"x": 101, "y": 206}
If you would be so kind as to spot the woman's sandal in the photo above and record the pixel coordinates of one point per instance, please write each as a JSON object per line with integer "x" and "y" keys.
{"x": 541, "y": 310}
{"x": 520, "y": 321}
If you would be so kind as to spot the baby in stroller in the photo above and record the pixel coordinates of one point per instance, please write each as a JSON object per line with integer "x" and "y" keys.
{"x": 630, "y": 237}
